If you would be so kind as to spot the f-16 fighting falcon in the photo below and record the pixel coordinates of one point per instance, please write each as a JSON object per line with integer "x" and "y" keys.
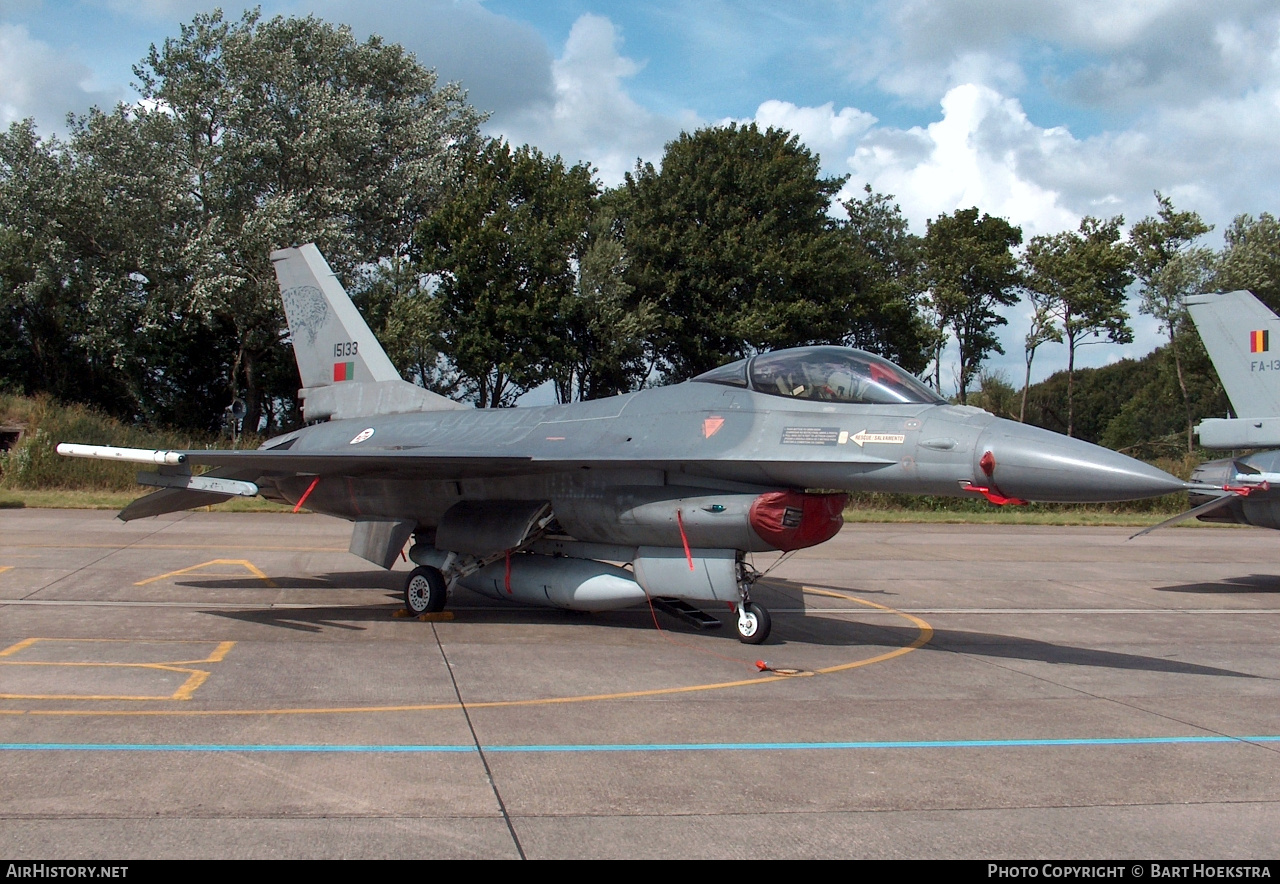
{"x": 655, "y": 495}
{"x": 1236, "y": 330}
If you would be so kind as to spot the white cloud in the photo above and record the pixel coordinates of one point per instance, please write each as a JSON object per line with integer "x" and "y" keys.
{"x": 983, "y": 151}
{"x": 39, "y": 81}
{"x": 823, "y": 130}
{"x": 973, "y": 156}
{"x": 503, "y": 64}
{"x": 592, "y": 118}
{"x": 1126, "y": 56}
{"x": 161, "y": 10}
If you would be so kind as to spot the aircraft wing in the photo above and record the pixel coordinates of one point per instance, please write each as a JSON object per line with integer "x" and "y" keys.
{"x": 422, "y": 463}
{"x": 404, "y": 463}
{"x": 241, "y": 469}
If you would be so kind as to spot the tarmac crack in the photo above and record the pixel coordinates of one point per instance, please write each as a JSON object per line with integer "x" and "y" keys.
{"x": 475, "y": 739}
{"x": 1116, "y": 700}
{"x": 108, "y": 554}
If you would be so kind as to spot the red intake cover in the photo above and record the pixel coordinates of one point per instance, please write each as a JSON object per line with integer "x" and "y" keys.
{"x": 794, "y": 520}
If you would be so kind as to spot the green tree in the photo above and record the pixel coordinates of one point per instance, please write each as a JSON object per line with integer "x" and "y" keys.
{"x": 733, "y": 243}
{"x": 501, "y": 252}
{"x": 970, "y": 270}
{"x": 393, "y": 299}
{"x": 1044, "y": 329}
{"x": 39, "y": 315}
{"x": 290, "y": 131}
{"x": 607, "y": 329}
{"x": 1081, "y": 279}
{"x": 887, "y": 264}
{"x": 92, "y": 234}
{"x": 1250, "y": 258}
{"x": 995, "y": 394}
{"x": 1169, "y": 267}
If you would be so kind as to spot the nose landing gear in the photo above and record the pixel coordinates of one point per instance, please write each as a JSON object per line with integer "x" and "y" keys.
{"x": 753, "y": 623}
{"x": 753, "y": 620}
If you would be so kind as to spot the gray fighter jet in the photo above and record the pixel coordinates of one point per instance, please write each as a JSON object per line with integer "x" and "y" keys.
{"x": 655, "y": 495}
{"x": 1242, "y": 338}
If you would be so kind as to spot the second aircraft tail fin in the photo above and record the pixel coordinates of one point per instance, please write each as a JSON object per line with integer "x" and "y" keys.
{"x": 1243, "y": 340}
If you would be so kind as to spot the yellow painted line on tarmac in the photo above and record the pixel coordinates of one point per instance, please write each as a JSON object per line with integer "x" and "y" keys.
{"x": 4, "y": 568}
{"x": 924, "y": 636}
{"x": 244, "y": 563}
{"x": 20, "y": 646}
{"x": 124, "y": 546}
{"x": 195, "y": 677}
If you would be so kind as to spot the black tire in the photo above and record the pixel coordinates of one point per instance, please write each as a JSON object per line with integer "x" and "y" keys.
{"x": 758, "y": 625}
{"x": 425, "y": 591}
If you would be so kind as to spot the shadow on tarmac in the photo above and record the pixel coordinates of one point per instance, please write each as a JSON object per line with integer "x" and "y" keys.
{"x": 1232, "y": 585}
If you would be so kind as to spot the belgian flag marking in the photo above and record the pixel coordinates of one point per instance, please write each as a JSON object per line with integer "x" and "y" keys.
{"x": 344, "y": 371}
{"x": 1259, "y": 341}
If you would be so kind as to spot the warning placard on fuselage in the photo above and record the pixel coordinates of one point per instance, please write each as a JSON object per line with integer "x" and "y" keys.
{"x": 836, "y": 436}
{"x": 811, "y": 436}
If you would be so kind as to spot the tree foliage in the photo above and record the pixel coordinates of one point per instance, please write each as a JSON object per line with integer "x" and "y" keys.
{"x": 886, "y": 259}
{"x": 134, "y": 268}
{"x": 1081, "y": 278}
{"x": 733, "y": 244}
{"x": 146, "y": 237}
{"x": 290, "y": 131}
{"x": 970, "y": 270}
{"x": 501, "y": 252}
{"x": 1250, "y": 258}
{"x": 1169, "y": 267}
{"x": 608, "y": 329}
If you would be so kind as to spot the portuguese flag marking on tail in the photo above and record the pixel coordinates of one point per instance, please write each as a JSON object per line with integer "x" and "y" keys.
{"x": 344, "y": 371}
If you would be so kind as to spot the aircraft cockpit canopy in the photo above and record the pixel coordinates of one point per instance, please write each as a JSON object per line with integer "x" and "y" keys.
{"x": 827, "y": 374}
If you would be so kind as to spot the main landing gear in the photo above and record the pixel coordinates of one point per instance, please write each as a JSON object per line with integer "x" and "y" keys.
{"x": 425, "y": 592}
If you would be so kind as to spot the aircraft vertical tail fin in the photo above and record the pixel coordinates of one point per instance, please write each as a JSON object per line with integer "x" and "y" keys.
{"x": 344, "y": 370}
{"x": 331, "y": 341}
{"x": 1243, "y": 340}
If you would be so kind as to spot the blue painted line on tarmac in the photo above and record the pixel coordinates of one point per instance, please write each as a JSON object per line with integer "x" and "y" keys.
{"x": 633, "y": 747}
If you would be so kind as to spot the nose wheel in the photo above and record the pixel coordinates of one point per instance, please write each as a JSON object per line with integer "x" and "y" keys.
{"x": 753, "y": 623}
{"x": 425, "y": 592}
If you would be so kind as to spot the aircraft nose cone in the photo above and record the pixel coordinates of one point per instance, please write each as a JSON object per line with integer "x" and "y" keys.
{"x": 1036, "y": 464}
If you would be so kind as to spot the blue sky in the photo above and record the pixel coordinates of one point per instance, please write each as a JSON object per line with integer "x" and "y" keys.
{"x": 1041, "y": 112}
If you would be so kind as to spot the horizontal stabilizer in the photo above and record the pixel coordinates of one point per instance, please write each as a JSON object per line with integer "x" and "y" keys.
{"x": 169, "y": 500}
{"x": 177, "y": 499}
{"x": 344, "y": 401}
